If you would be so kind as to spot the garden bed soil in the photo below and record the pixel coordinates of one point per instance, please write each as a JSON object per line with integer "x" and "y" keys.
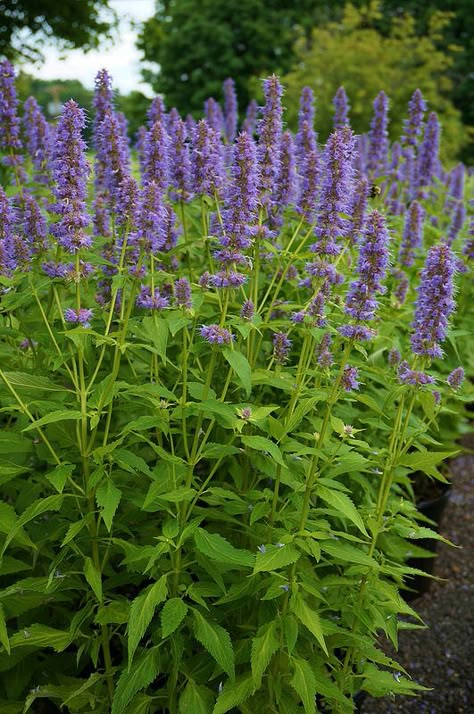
{"x": 441, "y": 656}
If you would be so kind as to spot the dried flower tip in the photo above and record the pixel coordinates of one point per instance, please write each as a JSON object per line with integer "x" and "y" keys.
{"x": 456, "y": 378}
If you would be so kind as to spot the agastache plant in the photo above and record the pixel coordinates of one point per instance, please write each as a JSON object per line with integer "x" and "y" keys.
{"x": 218, "y": 400}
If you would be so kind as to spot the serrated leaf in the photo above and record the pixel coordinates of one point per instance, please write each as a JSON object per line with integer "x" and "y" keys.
{"x": 241, "y": 367}
{"x": 141, "y": 613}
{"x": 347, "y": 552}
{"x": 108, "y": 498}
{"x": 233, "y": 694}
{"x": 173, "y": 613}
{"x": 131, "y": 462}
{"x": 309, "y": 618}
{"x": 53, "y": 417}
{"x": 116, "y": 612}
{"x": 217, "y": 642}
{"x": 58, "y": 476}
{"x": 41, "y": 636}
{"x": 275, "y": 558}
{"x": 141, "y": 675}
{"x": 23, "y": 380}
{"x": 73, "y": 530}
{"x": 260, "y": 443}
{"x": 50, "y": 503}
{"x": 264, "y": 646}
{"x": 92, "y": 576}
{"x": 348, "y": 464}
{"x": 304, "y": 684}
{"x": 196, "y": 699}
{"x": 3, "y": 630}
{"x": 217, "y": 548}
{"x": 426, "y": 461}
{"x": 342, "y": 503}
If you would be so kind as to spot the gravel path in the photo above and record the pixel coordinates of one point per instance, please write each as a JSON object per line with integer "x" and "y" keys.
{"x": 442, "y": 657}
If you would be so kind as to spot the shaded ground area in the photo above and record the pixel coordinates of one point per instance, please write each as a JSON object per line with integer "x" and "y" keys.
{"x": 442, "y": 656}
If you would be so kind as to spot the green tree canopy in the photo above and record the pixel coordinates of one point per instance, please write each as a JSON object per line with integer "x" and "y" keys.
{"x": 354, "y": 54}
{"x": 73, "y": 24}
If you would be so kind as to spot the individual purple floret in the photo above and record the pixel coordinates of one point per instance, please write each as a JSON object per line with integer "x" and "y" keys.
{"x": 428, "y": 161}
{"x": 269, "y": 139}
{"x": 9, "y": 120}
{"x": 435, "y": 302}
{"x": 214, "y": 115}
{"x": 250, "y": 122}
{"x": 324, "y": 355}
{"x": 350, "y": 378}
{"x": 413, "y": 377}
{"x": 179, "y": 159}
{"x": 37, "y": 139}
{"x": 413, "y": 125}
{"x": 412, "y": 234}
{"x": 34, "y": 224}
{"x": 79, "y": 317}
{"x": 151, "y": 302}
{"x": 207, "y": 165}
{"x": 156, "y": 159}
{"x": 335, "y": 192}
{"x": 361, "y": 302}
{"x": 341, "y": 108}
{"x": 248, "y": 310}
{"x": 156, "y": 112}
{"x": 182, "y": 293}
{"x": 216, "y": 335}
{"x": 281, "y": 347}
{"x": 70, "y": 171}
{"x": 378, "y": 135}
{"x": 230, "y": 110}
{"x": 455, "y": 378}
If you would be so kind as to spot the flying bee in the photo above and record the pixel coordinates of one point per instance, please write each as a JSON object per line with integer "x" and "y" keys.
{"x": 374, "y": 191}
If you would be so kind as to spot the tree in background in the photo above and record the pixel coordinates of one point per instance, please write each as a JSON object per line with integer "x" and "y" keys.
{"x": 26, "y": 24}
{"x": 354, "y": 54}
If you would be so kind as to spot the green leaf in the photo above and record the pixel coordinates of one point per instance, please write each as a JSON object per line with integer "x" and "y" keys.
{"x": 217, "y": 548}
{"x": 22, "y": 380}
{"x": 196, "y": 699}
{"x": 347, "y": 552}
{"x": 51, "y": 503}
{"x": 52, "y": 417}
{"x": 241, "y": 367}
{"x": 260, "y": 443}
{"x": 141, "y": 613}
{"x": 343, "y": 504}
{"x": 264, "y": 646}
{"x": 60, "y": 475}
{"x": 116, "y": 612}
{"x": 3, "y": 630}
{"x": 233, "y": 694}
{"x": 426, "y": 461}
{"x": 92, "y": 576}
{"x": 141, "y": 675}
{"x": 217, "y": 642}
{"x": 108, "y": 498}
{"x": 275, "y": 558}
{"x": 131, "y": 462}
{"x": 304, "y": 684}
{"x": 173, "y": 613}
{"x": 73, "y": 530}
{"x": 348, "y": 464}
{"x": 309, "y": 618}
{"x": 41, "y": 636}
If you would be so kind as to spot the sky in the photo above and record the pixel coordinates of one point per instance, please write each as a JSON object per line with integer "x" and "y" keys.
{"x": 120, "y": 57}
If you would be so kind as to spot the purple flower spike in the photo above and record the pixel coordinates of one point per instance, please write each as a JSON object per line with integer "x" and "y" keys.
{"x": 70, "y": 171}
{"x": 179, "y": 159}
{"x": 350, "y": 378}
{"x": 435, "y": 302}
{"x": 156, "y": 161}
{"x": 281, "y": 347}
{"x": 9, "y": 121}
{"x": 182, "y": 293}
{"x": 341, "y": 108}
{"x": 34, "y": 224}
{"x": 306, "y": 136}
{"x": 250, "y": 123}
{"x": 156, "y": 112}
{"x": 428, "y": 155}
{"x": 214, "y": 115}
{"x": 308, "y": 160}
{"x": 361, "y": 302}
{"x": 412, "y": 377}
{"x": 248, "y": 310}
{"x": 269, "y": 138}
{"x": 151, "y": 302}
{"x": 7, "y": 235}
{"x": 112, "y": 154}
{"x": 394, "y": 357}
{"x": 102, "y": 101}
{"x": 357, "y": 209}
{"x": 37, "y": 138}
{"x": 455, "y": 378}
{"x": 378, "y": 135}
{"x": 335, "y": 192}
{"x": 151, "y": 230}
{"x": 323, "y": 351}
{"x": 216, "y": 335}
{"x": 286, "y": 187}
{"x": 413, "y": 125}
{"x": 412, "y": 234}
{"x": 207, "y": 165}
{"x": 457, "y": 222}
{"x": 79, "y": 317}
{"x": 230, "y": 110}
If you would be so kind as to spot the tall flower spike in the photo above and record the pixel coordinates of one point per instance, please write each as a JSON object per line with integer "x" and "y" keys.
{"x": 455, "y": 188}
{"x": 70, "y": 171}
{"x": 179, "y": 160}
{"x": 9, "y": 121}
{"x": 286, "y": 186}
{"x": 156, "y": 156}
{"x": 213, "y": 114}
{"x": 112, "y": 153}
{"x": 435, "y": 302}
{"x": 34, "y": 224}
{"x": 412, "y": 234}
{"x": 151, "y": 233}
{"x": 7, "y": 235}
{"x": 306, "y": 136}
{"x": 335, "y": 192}
{"x": 156, "y": 112}
{"x": 230, "y": 110}
{"x": 341, "y": 108}
{"x": 102, "y": 102}
{"x": 207, "y": 165}
{"x": 281, "y": 347}
{"x": 361, "y": 301}
{"x": 427, "y": 162}
{"x": 269, "y": 138}
{"x": 358, "y": 209}
{"x": 413, "y": 125}
{"x": 378, "y": 135}
{"x": 250, "y": 122}
{"x": 37, "y": 138}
